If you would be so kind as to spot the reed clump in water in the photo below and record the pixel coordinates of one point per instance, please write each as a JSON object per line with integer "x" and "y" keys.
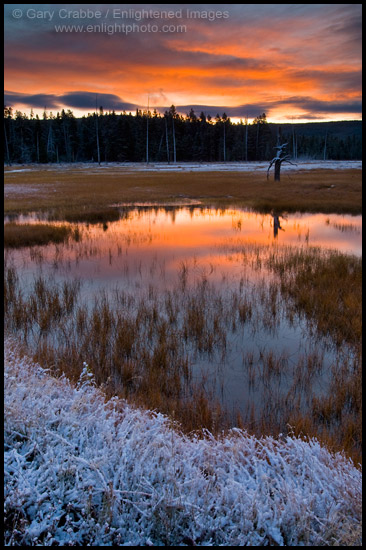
{"x": 89, "y": 215}
{"x": 32, "y": 234}
{"x": 327, "y": 288}
{"x": 135, "y": 353}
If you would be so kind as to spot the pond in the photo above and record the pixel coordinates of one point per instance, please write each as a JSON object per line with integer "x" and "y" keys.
{"x": 150, "y": 244}
{"x": 217, "y": 305}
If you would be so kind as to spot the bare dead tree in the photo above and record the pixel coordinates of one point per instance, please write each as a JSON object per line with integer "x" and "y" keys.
{"x": 224, "y": 141}
{"x": 325, "y": 146}
{"x": 174, "y": 150}
{"x": 167, "y": 139}
{"x": 96, "y": 127}
{"x": 278, "y": 160}
{"x": 147, "y": 130}
{"x": 37, "y": 147}
{"x": 246, "y": 138}
{"x": 160, "y": 144}
{"x": 50, "y": 146}
{"x": 7, "y": 146}
{"x": 294, "y": 144}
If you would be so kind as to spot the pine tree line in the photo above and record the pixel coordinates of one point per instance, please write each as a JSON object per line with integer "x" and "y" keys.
{"x": 111, "y": 137}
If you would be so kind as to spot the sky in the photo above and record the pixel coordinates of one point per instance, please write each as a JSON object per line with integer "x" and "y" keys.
{"x": 294, "y": 62}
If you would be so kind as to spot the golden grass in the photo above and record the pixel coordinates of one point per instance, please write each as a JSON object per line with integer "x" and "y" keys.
{"x": 88, "y": 215}
{"x": 19, "y": 235}
{"x": 327, "y": 288}
{"x": 73, "y": 188}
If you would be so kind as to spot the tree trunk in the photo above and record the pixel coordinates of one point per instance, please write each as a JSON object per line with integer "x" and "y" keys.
{"x": 246, "y": 140}
{"x": 97, "y": 132}
{"x": 50, "y": 146}
{"x": 37, "y": 142}
{"x": 224, "y": 144}
{"x": 147, "y": 131}
{"x": 147, "y": 138}
{"x": 7, "y": 146}
{"x": 160, "y": 144}
{"x": 96, "y": 127}
{"x": 294, "y": 154}
{"x": 325, "y": 147}
{"x": 167, "y": 140}
{"x": 277, "y": 175}
{"x": 67, "y": 143}
{"x": 174, "y": 151}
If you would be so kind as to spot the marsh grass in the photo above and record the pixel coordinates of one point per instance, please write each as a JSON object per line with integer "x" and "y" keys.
{"x": 344, "y": 227}
{"x": 143, "y": 347}
{"x": 88, "y": 215}
{"x": 136, "y": 354}
{"x": 27, "y": 234}
{"x": 327, "y": 288}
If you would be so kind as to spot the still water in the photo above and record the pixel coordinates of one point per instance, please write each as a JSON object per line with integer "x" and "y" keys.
{"x": 153, "y": 250}
{"x": 152, "y": 244}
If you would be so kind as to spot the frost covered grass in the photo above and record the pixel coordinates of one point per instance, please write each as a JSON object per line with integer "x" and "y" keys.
{"x": 82, "y": 471}
{"x": 74, "y": 187}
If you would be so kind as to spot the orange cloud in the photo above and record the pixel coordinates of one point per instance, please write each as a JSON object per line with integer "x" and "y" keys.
{"x": 257, "y": 56}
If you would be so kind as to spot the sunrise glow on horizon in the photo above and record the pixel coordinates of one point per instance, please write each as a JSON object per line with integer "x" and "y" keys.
{"x": 295, "y": 62}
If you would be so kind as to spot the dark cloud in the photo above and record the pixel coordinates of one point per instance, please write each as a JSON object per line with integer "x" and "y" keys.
{"x": 348, "y": 21}
{"x": 330, "y": 79}
{"x": 73, "y": 100}
{"x": 88, "y": 100}
{"x": 317, "y": 106}
{"x": 37, "y": 101}
{"x": 241, "y": 111}
{"x": 312, "y": 107}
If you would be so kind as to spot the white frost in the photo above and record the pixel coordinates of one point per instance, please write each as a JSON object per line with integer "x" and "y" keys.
{"x": 79, "y": 471}
{"x": 253, "y": 166}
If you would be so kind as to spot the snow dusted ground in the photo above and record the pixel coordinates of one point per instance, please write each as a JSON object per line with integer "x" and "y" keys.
{"x": 241, "y": 166}
{"x": 82, "y": 472}
{"x": 193, "y": 166}
{"x": 11, "y": 190}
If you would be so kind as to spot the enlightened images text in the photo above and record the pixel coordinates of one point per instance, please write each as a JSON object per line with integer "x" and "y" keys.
{"x": 117, "y": 13}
